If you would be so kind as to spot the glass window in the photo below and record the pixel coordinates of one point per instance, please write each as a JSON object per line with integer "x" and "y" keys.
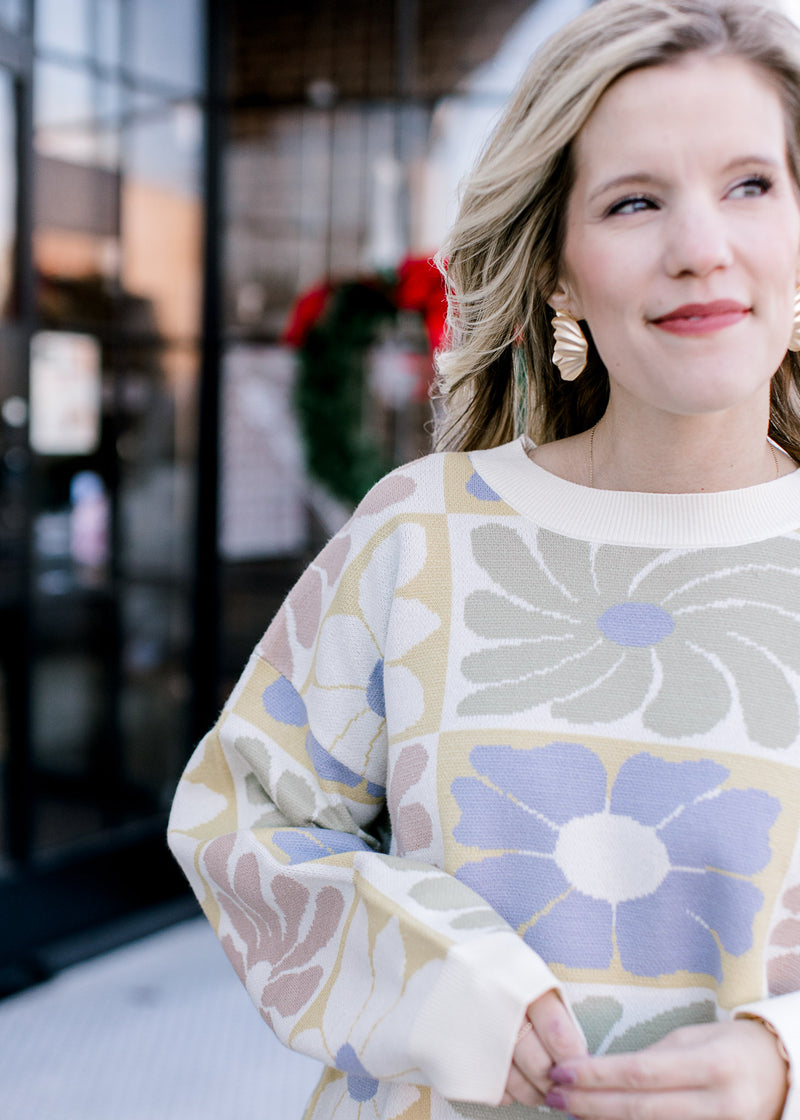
{"x": 155, "y": 688}
{"x": 106, "y": 26}
{"x": 63, "y": 25}
{"x": 156, "y": 421}
{"x": 13, "y": 13}
{"x": 165, "y": 42}
{"x": 8, "y": 193}
{"x": 162, "y": 217}
{"x": 76, "y": 195}
{"x": 76, "y": 115}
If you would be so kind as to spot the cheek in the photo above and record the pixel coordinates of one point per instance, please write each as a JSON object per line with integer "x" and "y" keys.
{"x": 593, "y": 285}
{"x": 606, "y": 279}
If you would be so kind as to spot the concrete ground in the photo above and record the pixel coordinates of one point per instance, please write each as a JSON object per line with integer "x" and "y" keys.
{"x": 158, "y": 1030}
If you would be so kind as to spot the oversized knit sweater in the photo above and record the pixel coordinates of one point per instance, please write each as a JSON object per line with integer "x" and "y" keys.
{"x": 509, "y": 734}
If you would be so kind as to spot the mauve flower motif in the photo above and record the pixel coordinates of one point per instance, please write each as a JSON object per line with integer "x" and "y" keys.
{"x": 783, "y": 971}
{"x": 600, "y": 633}
{"x": 412, "y": 828}
{"x": 657, "y": 871}
{"x": 262, "y": 932}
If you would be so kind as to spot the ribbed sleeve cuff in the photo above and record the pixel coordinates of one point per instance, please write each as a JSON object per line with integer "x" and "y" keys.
{"x": 464, "y": 1037}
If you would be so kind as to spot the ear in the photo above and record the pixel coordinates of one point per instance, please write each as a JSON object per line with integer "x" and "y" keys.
{"x": 562, "y": 299}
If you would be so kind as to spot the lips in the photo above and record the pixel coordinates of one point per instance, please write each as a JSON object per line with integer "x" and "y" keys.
{"x": 702, "y": 318}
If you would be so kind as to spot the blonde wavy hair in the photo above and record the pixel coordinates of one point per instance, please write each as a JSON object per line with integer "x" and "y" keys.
{"x": 496, "y": 379}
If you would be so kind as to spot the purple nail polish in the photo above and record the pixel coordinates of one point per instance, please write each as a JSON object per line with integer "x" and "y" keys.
{"x": 560, "y": 1076}
{"x": 554, "y": 1099}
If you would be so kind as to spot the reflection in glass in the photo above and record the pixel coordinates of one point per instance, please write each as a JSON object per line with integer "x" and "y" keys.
{"x": 65, "y": 393}
{"x": 107, "y": 32}
{"x": 69, "y": 690}
{"x": 155, "y": 687}
{"x": 76, "y": 115}
{"x": 76, "y": 195}
{"x": 63, "y": 25}
{"x": 162, "y": 216}
{"x": 8, "y": 192}
{"x": 157, "y": 423}
{"x": 165, "y": 42}
{"x": 12, "y": 14}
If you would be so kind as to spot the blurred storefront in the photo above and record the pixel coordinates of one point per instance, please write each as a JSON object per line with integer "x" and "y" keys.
{"x": 103, "y": 106}
{"x": 216, "y": 320}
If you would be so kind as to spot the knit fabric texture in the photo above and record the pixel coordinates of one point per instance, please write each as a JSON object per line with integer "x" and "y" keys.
{"x": 508, "y": 734}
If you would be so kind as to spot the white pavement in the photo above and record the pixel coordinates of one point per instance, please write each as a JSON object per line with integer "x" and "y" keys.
{"x": 158, "y": 1030}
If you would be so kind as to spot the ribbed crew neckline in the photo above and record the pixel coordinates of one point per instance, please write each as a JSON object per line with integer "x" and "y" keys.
{"x": 723, "y": 518}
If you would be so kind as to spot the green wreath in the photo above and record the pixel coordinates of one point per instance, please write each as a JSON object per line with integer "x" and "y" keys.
{"x": 330, "y": 390}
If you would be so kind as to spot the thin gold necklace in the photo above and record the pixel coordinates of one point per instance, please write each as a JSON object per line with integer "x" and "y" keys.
{"x": 770, "y": 445}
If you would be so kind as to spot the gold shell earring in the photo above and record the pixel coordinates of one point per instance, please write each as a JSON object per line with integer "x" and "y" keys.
{"x": 794, "y": 341}
{"x": 571, "y": 346}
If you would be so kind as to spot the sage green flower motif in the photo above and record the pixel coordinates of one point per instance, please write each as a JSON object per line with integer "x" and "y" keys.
{"x": 599, "y": 1017}
{"x": 599, "y": 633}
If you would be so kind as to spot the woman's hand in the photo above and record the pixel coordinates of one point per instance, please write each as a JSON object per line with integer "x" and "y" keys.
{"x": 714, "y": 1071}
{"x": 551, "y": 1037}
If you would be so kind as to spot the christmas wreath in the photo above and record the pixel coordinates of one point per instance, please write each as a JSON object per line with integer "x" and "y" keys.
{"x": 332, "y": 327}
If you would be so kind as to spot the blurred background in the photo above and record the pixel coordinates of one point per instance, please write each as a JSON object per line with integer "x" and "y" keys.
{"x": 217, "y": 315}
{"x": 217, "y": 318}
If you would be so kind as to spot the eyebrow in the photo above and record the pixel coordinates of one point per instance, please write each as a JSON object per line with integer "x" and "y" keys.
{"x": 646, "y": 178}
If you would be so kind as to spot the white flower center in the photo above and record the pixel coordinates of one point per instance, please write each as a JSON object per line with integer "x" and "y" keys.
{"x": 611, "y": 857}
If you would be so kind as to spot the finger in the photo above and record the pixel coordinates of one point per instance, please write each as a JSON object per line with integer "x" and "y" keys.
{"x": 555, "y": 1028}
{"x": 690, "y": 1105}
{"x": 652, "y": 1070}
{"x": 520, "y": 1089}
{"x": 533, "y": 1062}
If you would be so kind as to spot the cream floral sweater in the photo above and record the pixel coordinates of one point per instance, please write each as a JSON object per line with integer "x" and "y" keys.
{"x": 508, "y": 734}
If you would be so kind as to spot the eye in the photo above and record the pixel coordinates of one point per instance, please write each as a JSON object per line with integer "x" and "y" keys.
{"x": 633, "y": 204}
{"x": 752, "y": 187}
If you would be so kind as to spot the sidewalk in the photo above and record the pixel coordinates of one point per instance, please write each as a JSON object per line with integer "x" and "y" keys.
{"x": 158, "y": 1030}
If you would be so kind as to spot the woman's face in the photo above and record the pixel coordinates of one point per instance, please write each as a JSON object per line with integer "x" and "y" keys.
{"x": 682, "y": 248}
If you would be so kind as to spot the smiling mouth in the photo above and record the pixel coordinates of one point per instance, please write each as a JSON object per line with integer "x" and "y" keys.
{"x": 702, "y": 318}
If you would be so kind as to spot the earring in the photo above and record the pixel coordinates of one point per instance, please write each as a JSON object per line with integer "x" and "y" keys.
{"x": 794, "y": 341}
{"x": 571, "y": 346}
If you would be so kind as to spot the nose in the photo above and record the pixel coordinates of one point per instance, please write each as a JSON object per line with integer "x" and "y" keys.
{"x": 698, "y": 240}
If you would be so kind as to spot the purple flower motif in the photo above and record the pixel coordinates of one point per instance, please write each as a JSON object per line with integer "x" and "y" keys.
{"x": 284, "y": 703}
{"x": 480, "y": 489}
{"x": 301, "y": 845}
{"x": 360, "y": 1085}
{"x": 331, "y": 770}
{"x": 657, "y": 865}
{"x": 376, "y": 696}
{"x": 635, "y": 624}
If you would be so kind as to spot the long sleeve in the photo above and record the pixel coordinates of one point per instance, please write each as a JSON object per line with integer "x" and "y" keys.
{"x": 372, "y": 961}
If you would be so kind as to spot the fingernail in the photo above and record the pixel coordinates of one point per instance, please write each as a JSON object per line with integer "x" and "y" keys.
{"x": 560, "y": 1076}
{"x": 554, "y": 1099}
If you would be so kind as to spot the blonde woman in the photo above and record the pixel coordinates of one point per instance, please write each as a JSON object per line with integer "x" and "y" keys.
{"x": 505, "y": 809}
